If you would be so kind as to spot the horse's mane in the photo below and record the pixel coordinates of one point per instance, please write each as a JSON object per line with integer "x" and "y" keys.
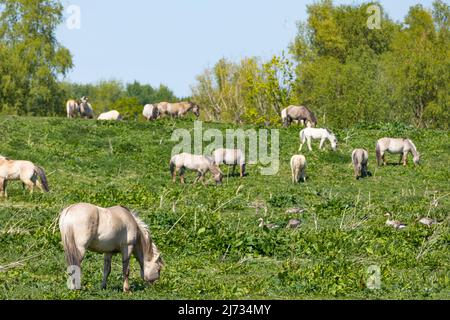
{"x": 145, "y": 237}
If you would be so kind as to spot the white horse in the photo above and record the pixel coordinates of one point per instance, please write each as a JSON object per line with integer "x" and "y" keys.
{"x": 298, "y": 168}
{"x": 201, "y": 164}
{"x": 110, "y": 115}
{"x": 112, "y": 230}
{"x": 396, "y": 146}
{"x": 231, "y": 157}
{"x": 150, "y": 112}
{"x": 307, "y": 134}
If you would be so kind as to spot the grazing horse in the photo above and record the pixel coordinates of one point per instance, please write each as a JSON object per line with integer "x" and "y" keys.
{"x": 150, "y": 112}
{"x": 360, "y": 159}
{"x": 399, "y": 146}
{"x": 201, "y": 164}
{"x": 86, "y": 110}
{"x": 110, "y": 115}
{"x": 317, "y": 133}
{"x": 109, "y": 230}
{"x": 299, "y": 113}
{"x": 25, "y": 171}
{"x": 231, "y": 157}
{"x": 72, "y": 108}
{"x": 178, "y": 109}
{"x": 298, "y": 168}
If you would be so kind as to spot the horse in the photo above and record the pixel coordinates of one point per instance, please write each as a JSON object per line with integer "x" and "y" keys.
{"x": 231, "y": 157}
{"x": 360, "y": 159}
{"x": 178, "y": 109}
{"x": 299, "y": 113}
{"x": 396, "y": 146}
{"x": 201, "y": 164}
{"x": 317, "y": 133}
{"x": 26, "y": 171}
{"x": 150, "y": 112}
{"x": 110, "y": 115}
{"x": 298, "y": 168}
{"x": 85, "y": 108}
{"x": 72, "y": 108}
{"x": 111, "y": 230}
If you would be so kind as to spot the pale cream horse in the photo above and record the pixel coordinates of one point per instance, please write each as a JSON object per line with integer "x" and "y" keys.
{"x": 110, "y": 115}
{"x": 360, "y": 159}
{"x": 201, "y": 164}
{"x": 298, "y": 168}
{"x": 178, "y": 109}
{"x": 396, "y": 146}
{"x": 150, "y": 112}
{"x": 231, "y": 157}
{"x": 72, "y": 108}
{"x": 109, "y": 230}
{"x": 26, "y": 171}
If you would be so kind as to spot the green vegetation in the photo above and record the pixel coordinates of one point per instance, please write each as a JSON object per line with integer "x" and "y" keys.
{"x": 343, "y": 71}
{"x": 209, "y": 236}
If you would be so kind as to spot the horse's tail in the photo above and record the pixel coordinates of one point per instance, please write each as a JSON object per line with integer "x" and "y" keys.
{"x": 302, "y": 135}
{"x": 71, "y": 252}
{"x": 283, "y": 114}
{"x": 40, "y": 172}
{"x": 378, "y": 152}
{"x": 172, "y": 167}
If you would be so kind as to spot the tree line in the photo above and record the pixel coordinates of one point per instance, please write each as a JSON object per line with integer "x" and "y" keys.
{"x": 344, "y": 71}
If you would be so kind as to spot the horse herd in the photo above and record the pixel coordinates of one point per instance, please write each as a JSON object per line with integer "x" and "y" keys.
{"x": 119, "y": 230}
{"x": 83, "y": 109}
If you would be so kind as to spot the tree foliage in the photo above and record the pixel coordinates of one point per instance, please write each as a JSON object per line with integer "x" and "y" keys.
{"x": 344, "y": 71}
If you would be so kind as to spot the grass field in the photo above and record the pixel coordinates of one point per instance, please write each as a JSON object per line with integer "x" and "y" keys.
{"x": 209, "y": 236}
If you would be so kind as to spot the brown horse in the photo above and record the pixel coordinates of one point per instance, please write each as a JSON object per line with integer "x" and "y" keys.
{"x": 178, "y": 109}
{"x": 299, "y": 113}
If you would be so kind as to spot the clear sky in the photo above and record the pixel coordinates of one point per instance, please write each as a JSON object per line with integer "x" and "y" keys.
{"x": 172, "y": 41}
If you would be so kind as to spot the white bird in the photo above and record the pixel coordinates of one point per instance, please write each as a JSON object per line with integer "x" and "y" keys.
{"x": 293, "y": 223}
{"x": 394, "y": 223}
{"x": 268, "y": 225}
{"x": 427, "y": 221}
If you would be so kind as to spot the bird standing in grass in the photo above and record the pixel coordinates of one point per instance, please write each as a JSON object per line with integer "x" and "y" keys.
{"x": 427, "y": 221}
{"x": 394, "y": 223}
{"x": 293, "y": 223}
{"x": 267, "y": 225}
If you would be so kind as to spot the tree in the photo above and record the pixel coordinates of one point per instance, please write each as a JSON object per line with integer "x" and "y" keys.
{"x": 31, "y": 57}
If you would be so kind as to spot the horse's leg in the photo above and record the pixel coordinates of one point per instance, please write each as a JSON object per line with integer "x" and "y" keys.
{"x": 321, "y": 143}
{"x": 383, "y": 157}
{"x": 405, "y": 158}
{"x": 2, "y": 187}
{"x": 29, "y": 184}
{"x": 401, "y": 159}
{"x": 182, "y": 175}
{"x": 126, "y": 254}
{"x": 106, "y": 268}
{"x": 309, "y": 143}
{"x": 234, "y": 170}
{"x": 174, "y": 175}
{"x": 199, "y": 174}
{"x": 242, "y": 170}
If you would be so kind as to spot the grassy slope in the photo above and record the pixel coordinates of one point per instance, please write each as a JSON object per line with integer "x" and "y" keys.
{"x": 216, "y": 249}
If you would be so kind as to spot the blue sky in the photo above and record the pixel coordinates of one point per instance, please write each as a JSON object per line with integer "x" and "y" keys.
{"x": 172, "y": 41}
